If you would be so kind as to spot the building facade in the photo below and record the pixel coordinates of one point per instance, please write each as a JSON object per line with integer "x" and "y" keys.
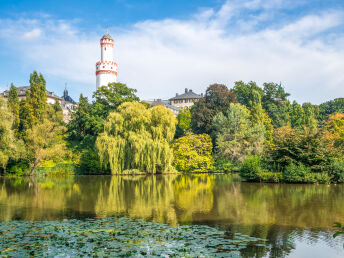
{"x": 185, "y": 100}
{"x": 68, "y": 105}
{"x": 22, "y": 90}
{"x": 106, "y": 68}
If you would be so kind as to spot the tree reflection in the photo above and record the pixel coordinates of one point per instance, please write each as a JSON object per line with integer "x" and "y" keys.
{"x": 277, "y": 212}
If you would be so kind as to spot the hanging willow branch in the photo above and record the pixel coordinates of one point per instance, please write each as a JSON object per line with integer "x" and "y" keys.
{"x": 137, "y": 138}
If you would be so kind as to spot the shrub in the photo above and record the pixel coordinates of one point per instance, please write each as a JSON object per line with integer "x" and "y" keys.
{"x": 192, "y": 153}
{"x": 89, "y": 162}
{"x": 336, "y": 172}
{"x": 223, "y": 165}
{"x": 19, "y": 169}
{"x": 251, "y": 168}
{"x": 294, "y": 173}
{"x": 271, "y": 177}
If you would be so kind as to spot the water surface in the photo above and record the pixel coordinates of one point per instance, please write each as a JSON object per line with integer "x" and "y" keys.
{"x": 295, "y": 219}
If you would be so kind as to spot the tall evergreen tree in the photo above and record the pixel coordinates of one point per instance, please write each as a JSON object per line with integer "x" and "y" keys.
{"x": 37, "y": 96}
{"x": 13, "y": 105}
{"x": 297, "y": 115}
{"x": 310, "y": 121}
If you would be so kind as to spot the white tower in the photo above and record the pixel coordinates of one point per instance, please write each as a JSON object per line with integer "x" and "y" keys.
{"x": 106, "y": 68}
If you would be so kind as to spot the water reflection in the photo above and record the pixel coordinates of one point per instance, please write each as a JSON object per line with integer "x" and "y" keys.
{"x": 278, "y": 212}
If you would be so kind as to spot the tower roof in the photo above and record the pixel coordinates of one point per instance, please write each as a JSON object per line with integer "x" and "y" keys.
{"x": 107, "y": 36}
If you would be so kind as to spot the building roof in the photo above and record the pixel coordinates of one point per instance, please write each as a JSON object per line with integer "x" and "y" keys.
{"x": 107, "y": 36}
{"x": 189, "y": 94}
{"x": 67, "y": 98}
{"x": 165, "y": 103}
{"x": 23, "y": 89}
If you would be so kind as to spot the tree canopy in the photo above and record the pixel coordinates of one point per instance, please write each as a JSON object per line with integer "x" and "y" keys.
{"x": 135, "y": 137}
{"x": 217, "y": 99}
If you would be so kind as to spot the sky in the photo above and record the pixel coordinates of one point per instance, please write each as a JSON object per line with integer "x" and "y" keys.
{"x": 162, "y": 47}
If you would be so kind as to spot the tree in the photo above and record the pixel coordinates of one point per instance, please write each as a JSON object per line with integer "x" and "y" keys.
{"x": 7, "y": 139}
{"x": 137, "y": 138}
{"x": 297, "y": 115}
{"x": 276, "y": 104}
{"x": 192, "y": 153}
{"x": 256, "y": 109}
{"x": 44, "y": 141}
{"x": 34, "y": 107}
{"x": 243, "y": 92}
{"x": 109, "y": 98}
{"x": 310, "y": 148}
{"x": 183, "y": 122}
{"x": 80, "y": 125}
{"x": 37, "y": 96}
{"x": 236, "y": 136}
{"x": 335, "y": 129}
{"x": 330, "y": 107}
{"x": 13, "y": 105}
{"x": 88, "y": 120}
{"x": 217, "y": 99}
{"x": 310, "y": 121}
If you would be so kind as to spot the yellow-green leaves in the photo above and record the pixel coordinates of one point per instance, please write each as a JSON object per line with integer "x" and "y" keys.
{"x": 192, "y": 153}
{"x": 135, "y": 137}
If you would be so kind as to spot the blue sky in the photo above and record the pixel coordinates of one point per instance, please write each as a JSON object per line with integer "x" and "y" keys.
{"x": 163, "y": 46}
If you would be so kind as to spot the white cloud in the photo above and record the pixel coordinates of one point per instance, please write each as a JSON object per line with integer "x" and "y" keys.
{"x": 33, "y": 34}
{"x": 160, "y": 58}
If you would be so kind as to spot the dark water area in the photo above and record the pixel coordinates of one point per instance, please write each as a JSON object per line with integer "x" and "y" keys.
{"x": 295, "y": 219}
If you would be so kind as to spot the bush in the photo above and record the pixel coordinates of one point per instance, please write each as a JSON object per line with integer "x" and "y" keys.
{"x": 270, "y": 177}
{"x": 251, "y": 168}
{"x": 223, "y": 165}
{"x": 89, "y": 162}
{"x": 294, "y": 173}
{"x": 192, "y": 153}
{"x": 336, "y": 172}
{"x": 19, "y": 169}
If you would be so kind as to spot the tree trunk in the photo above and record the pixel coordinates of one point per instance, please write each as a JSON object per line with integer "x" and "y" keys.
{"x": 34, "y": 167}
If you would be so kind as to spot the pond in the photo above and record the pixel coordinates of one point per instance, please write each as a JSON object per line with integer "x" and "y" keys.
{"x": 213, "y": 212}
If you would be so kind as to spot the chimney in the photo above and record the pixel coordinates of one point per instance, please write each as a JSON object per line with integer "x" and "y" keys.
{"x": 186, "y": 90}
{"x": 190, "y": 90}
{"x": 176, "y": 94}
{"x": 201, "y": 94}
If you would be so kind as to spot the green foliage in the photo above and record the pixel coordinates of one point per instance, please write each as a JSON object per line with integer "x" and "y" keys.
{"x": 330, "y": 107}
{"x": 297, "y": 115}
{"x": 236, "y": 136}
{"x": 111, "y": 96}
{"x": 89, "y": 162}
{"x": 89, "y": 119}
{"x": 312, "y": 149}
{"x": 336, "y": 172}
{"x": 294, "y": 173}
{"x": 251, "y": 168}
{"x": 7, "y": 135}
{"x": 244, "y": 92}
{"x": 223, "y": 165}
{"x": 310, "y": 121}
{"x": 183, "y": 122}
{"x": 340, "y": 229}
{"x": 192, "y": 153}
{"x": 43, "y": 140}
{"x": 19, "y": 169}
{"x": 13, "y": 105}
{"x": 217, "y": 99}
{"x": 270, "y": 177}
{"x": 275, "y": 103}
{"x": 137, "y": 138}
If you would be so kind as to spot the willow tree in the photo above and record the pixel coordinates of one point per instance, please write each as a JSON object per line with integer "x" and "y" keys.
{"x": 135, "y": 137}
{"x": 7, "y": 138}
